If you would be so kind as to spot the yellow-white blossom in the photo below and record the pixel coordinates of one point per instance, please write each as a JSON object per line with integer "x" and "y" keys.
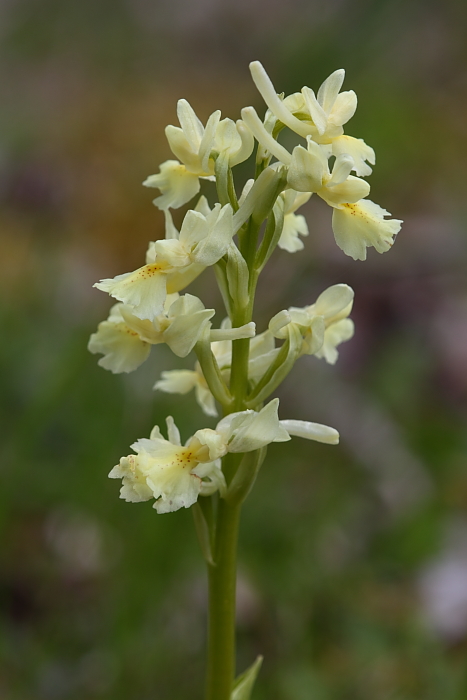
{"x": 175, "y": 474}
{"x": 173, "y": 263}
{"x": 166, "y": 470}
{"x": 125, "y": 340}
{"x": 294, "y": 224}
{"x": 357, "y": 222}
{"x": 262, "y": 354}
{"x": 323, "y": 325}
{"x": 197, "y": 148}
{"x": 309, "y": 172}
{"x": 320, "y": 116}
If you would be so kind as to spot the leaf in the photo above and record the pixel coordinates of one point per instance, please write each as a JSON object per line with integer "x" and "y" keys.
{"x": 244, "y": 683}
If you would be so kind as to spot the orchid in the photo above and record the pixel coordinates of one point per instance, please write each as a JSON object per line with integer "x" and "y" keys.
{"x": 174, "y": 262}
{"x": 175, "y": 474}
{"x": 320, "y": 116}
{"x": 125, "y": 340}
{"x": 236, "y": 372}
{"x": 323, "y": 325}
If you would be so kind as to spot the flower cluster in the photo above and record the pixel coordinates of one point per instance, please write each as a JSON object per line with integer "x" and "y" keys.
{"x": 235, "y": 368}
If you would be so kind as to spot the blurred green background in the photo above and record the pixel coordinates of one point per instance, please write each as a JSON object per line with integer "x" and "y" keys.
{"x": 353, "y": 576}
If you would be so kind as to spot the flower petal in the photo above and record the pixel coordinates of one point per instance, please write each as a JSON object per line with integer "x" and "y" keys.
{"x": 182, "y": 149}
{"x": 317, "y": 113}
{"x": 336, "y": 334}
{"x": 176, "y": 184}
{"x": 344, "y": 108}
{"x": 173, "y": 432}
{"x": 207, "y": 142}
{"x": 172, "y": 252}
{"x": 227, "y": 136}
{"x": 192, "y": 127}
{"x": 123, "y": 349}
{"x": 343, "y": 166}
{"x": 359, "y": 225}
{"x": 358, "y": 149}
{"x": 144, "y": 289}
{"x": 177, "y": 381}
{"x": 294, "y": 225}
{"x": 333, "y": 300}
{"x": 205, "y": 400}
{"x": 263, "y": 137}
{"x": 215, "y": 244}
{"x": 180, "y": 278}
{"x": 247, "y": 144}
{"x": 313, "y": 336}
{"x": 185, "y": 331}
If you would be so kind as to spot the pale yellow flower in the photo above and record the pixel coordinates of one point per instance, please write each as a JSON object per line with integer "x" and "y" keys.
{"x": 176, "y": 475}
{"x": 323, "y": 325}
{"x": 173, "y": 474}
{"x": 309, "y": 172}
{"x": 197, "y": 148}
{"x": 357, "y": 222}
{"x": 174, "y": 262}
{"x": 125, "y": 340}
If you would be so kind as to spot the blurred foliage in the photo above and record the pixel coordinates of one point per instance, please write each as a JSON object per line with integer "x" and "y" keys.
{"x": 354, "y": 559}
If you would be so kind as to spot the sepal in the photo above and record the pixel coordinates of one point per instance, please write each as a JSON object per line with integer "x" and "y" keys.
{"x": 264, "y": 138}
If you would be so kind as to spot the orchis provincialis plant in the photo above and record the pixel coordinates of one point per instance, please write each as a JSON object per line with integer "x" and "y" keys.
{"x": 237, "y": 371}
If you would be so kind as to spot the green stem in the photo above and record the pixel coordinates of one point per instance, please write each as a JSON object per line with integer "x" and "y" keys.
{"x": 241, "y": 349}
{"x": 219, "y": 538}
{"x": 222, "y": 590}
